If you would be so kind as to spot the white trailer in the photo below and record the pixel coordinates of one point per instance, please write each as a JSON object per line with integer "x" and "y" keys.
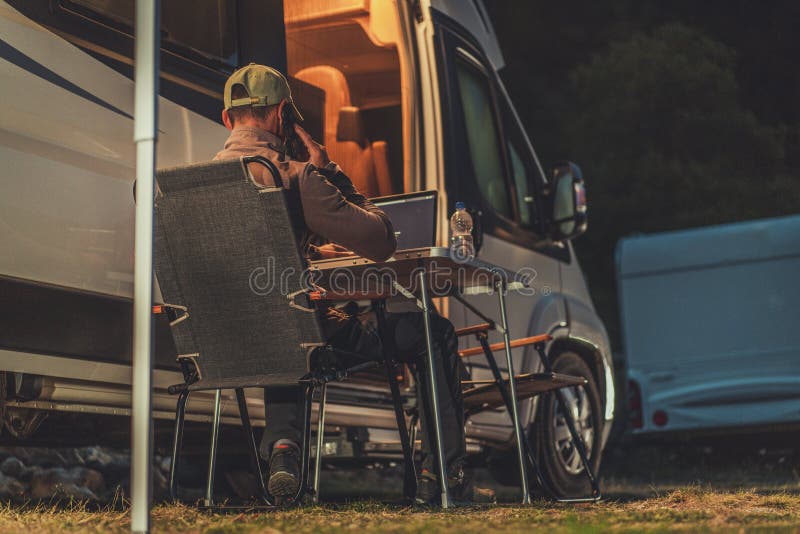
{"x": 711, "y": 326}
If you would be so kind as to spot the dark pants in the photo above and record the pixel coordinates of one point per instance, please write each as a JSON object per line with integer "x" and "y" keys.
{"x": 405, "y": 331}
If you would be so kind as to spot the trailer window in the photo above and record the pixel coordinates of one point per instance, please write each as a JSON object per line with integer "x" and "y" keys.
{"x": 201, "y": 27}
{"x": 482, "y": 134}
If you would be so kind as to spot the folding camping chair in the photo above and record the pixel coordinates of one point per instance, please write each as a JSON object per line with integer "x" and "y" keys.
{"x": 225, "y": 249}
{"x": 483, "y": 395}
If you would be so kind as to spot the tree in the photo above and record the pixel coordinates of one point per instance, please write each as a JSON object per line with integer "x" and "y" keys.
{"x": 657, "y": 125}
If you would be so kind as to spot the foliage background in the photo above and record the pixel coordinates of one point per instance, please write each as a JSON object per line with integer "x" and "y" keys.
{"x": 680, "y": 113}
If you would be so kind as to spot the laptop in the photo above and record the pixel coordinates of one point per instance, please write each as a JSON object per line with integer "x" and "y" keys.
{"x": 413, "y": 217}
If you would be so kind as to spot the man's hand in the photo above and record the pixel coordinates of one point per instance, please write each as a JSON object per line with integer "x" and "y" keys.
{"x": 317, "y": 153}
{"x": 332, "y": 250}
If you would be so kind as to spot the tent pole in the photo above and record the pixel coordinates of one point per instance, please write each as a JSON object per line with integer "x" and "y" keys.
{"x": 145, "y": 129}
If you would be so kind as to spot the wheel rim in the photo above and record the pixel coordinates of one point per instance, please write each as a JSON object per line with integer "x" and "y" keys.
{"x": 578, "y": 404}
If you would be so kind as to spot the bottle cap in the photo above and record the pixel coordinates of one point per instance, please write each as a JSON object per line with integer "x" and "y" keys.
{"x": 460, "y": 205}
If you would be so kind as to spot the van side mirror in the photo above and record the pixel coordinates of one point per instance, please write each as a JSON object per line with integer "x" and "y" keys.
{"x": 568, "y": 218}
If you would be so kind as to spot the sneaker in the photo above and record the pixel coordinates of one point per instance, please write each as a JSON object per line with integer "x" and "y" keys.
{"x": 466, "y": 491}
{"x": 427, "y": 488}
{"x": 284, "y": 471}
{"x": 461, "y": 487}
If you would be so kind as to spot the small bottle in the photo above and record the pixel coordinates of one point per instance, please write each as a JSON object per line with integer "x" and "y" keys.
{"x": 461, "y": 244}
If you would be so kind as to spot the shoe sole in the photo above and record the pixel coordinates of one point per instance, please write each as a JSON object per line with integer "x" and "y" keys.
{"x": 283, "y": 484}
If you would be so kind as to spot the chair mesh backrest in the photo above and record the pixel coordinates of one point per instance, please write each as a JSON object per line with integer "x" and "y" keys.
{"x": 221, "y": 242}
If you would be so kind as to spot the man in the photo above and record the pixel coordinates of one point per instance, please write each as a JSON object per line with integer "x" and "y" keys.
{"x": 257, "y": 99}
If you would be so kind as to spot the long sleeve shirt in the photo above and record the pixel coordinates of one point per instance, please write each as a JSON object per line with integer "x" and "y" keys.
{"x": 332, "y": 208}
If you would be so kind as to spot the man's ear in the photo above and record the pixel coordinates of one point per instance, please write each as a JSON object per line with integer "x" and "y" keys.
{"x": 280, "y": 115}
{"x": 226, "y": 119}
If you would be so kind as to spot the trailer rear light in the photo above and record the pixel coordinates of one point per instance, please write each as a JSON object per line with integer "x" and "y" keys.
{"x": 635, "y": 404}
{"x": 660, "y": 418}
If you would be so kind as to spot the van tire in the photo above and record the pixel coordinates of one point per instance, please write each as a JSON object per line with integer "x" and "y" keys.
{"x": 561, "y": 465}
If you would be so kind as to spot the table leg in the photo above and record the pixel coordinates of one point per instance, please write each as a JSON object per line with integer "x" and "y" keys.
{"x": 433, "y": 391}
{"x": 512, "y": 386}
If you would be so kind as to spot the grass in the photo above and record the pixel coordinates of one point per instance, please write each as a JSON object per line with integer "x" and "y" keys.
{"x": 692, "y": 509}
{"x": 648, "y": 489}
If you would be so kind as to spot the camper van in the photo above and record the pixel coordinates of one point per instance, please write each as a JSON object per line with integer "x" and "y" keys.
{"x": 405, "y": 94}
{"x": 709, "y": 318}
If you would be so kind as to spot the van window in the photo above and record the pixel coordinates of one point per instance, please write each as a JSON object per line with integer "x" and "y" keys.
{"x": 489, "y": 163}
{"x": 524, "y": 171}
{"x": 205, "y": 27}
{"x": 485, "y": 151}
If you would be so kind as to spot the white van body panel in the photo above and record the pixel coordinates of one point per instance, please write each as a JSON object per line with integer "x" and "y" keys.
{"x": 710, "y": 321}
{"x": 66, "y": 198}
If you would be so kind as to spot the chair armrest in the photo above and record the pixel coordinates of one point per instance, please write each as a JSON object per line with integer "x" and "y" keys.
{"x": 499, "y": 346}
{"x": 474, "y": 329}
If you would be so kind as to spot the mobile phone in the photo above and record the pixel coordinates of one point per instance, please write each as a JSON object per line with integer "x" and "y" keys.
{"x": 295, "y": 148}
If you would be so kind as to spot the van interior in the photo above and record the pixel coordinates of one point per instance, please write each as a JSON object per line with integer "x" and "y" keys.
{"x": 345, "y": 68}
{"x": 345, "y": 63}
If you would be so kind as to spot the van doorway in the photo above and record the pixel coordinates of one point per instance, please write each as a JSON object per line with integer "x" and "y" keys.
{"x": 345, "y": 65}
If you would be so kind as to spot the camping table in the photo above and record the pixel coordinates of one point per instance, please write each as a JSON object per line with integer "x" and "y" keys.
{"x": 420, "y": 274}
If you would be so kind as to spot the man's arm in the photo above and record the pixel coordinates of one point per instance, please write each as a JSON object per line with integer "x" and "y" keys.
{"x": 335, "y": 210}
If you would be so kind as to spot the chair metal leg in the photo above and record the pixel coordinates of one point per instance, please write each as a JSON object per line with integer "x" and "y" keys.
{"x": 177, "y": 441}
{"x": 409, "y": 476}
{"x": 526, "y": 495}
{"x": 498, "y": 377}
{"x": 501, "y": 385}
{"x": 577, "y": 439}
{"x": 483, "y": 339}
{"x": 305, "y": 451}
{"x": 323, "y": 395}
{"x": 437, "y": 441}
{"x": 247, "y": 427}
{"x": 212, "y": 459}
{"x": 412, "y": 438}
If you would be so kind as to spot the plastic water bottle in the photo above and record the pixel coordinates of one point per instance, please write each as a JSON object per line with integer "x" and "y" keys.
{"x": 461, "y": 244}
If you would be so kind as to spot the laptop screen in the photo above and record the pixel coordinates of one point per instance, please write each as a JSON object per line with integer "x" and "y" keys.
{"x": 413, "y": 217}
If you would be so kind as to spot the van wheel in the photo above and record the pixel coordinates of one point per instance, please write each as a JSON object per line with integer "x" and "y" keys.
{"x": 558, "y": 457}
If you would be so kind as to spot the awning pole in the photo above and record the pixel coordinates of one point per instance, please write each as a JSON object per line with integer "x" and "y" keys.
{"x": 145, "y": 129}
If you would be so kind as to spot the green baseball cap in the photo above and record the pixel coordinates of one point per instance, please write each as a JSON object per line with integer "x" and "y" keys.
{"x": 265, "y": 85}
